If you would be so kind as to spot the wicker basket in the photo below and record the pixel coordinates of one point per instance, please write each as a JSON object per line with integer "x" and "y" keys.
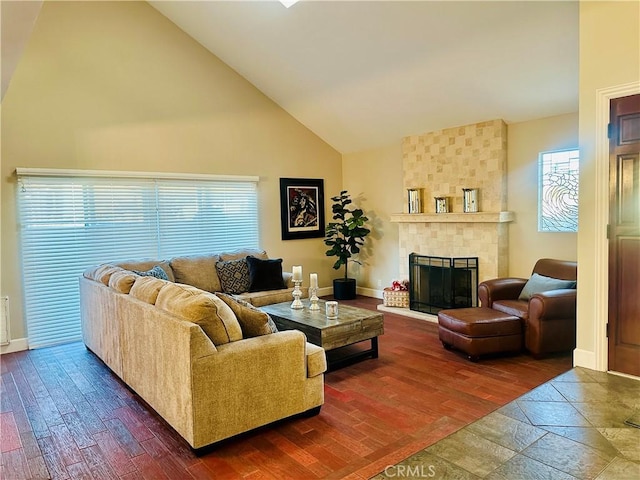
{"x": 395, "y": 298}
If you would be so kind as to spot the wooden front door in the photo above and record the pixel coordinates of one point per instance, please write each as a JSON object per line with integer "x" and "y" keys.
{"x": 624, "y": 236}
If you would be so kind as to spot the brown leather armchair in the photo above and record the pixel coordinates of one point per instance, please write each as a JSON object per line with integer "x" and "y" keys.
{"x": 549, "y": 318}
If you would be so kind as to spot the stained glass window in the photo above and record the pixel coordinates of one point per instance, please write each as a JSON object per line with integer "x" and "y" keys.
{"x": 558, "y": 191}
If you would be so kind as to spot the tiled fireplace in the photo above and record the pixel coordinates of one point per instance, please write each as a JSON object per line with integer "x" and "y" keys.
{"x": 441, "y": 164}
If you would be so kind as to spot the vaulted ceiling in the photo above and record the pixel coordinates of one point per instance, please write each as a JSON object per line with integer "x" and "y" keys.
{"x": 363, "y": 74}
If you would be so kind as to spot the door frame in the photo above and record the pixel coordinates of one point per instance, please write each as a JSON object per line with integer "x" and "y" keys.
{"x": 603, "y": 99}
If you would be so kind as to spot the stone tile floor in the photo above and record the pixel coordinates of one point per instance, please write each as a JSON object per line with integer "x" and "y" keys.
{"x": 572, "y": 427}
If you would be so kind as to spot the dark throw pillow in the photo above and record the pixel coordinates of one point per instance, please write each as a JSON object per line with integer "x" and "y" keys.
{"x": 156, "y": 272}
{"x": 540, "y": 283}
{"x": 234, "y": 276}
{"x": 265, "y": 274}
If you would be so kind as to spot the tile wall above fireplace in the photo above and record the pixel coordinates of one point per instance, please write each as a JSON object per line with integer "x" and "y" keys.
{"x": 441, "y": 164}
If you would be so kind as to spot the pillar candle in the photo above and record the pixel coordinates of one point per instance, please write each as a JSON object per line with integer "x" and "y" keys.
{"x": 313, "y": 280}
{"x": 297, "y": 273}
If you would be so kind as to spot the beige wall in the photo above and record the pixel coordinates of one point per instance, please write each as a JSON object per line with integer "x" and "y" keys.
{"x": 609, "y": 57}
{"x": 525, "y": 141}
{"x": 116, "y": 86}
{"x": 374, "y": 179}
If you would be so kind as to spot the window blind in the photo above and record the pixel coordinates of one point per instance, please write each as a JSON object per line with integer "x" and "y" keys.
{"x": 70, "y": 223}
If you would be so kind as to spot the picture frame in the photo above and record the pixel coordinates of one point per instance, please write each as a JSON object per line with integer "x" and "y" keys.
{"x": 302, "y": 208}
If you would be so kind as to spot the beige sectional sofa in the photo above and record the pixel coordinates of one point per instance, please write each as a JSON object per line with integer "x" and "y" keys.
{"x": 210, "y": 365}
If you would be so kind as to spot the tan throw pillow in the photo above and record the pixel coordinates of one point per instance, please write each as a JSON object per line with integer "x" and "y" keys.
{"x": 253, "y": 322}
{"x": 122, "y": 281}
{"x": 103, "y": 273}
{"x": 146, "y": 289}
{"x": 198, "y": 271}
{"x": 215, "y": 317}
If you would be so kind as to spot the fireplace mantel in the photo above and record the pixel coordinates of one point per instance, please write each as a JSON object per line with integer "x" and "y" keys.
{"x": 476, "y": 217}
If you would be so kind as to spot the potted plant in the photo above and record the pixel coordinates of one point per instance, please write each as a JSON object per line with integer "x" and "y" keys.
{"x": 344, "y": 237}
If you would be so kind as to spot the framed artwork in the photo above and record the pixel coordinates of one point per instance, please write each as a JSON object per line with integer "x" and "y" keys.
{"x": 302, "y": 208}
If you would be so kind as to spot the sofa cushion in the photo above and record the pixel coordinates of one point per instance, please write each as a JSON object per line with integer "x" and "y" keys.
{"x": 148, "y": 264}
{"x": 146, "y": 289}
{"x": 244, "y": 253}
{"x": 198, "y": 271}
{"x": 156, "y": 272}
{"x": 122, "y": 281}
{"x": 265, "y": 274}
{"x": 234, "y": 275}
{"x": 215, "y": 317}
{"x": 539, "y": 283}
{"x": 517, "y": 308}
{"x": 268, "y": 297}
{"x": 102, "y": 273}
{"x": 253, "y": 322}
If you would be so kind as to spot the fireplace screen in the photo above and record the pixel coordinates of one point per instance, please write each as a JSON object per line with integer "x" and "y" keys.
{"x": 437, "y": 283}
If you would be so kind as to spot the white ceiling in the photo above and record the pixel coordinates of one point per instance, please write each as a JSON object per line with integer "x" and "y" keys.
{"x": 363, "y": 74}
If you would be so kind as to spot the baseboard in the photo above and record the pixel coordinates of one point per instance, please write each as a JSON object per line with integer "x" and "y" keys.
{"x": 16, "y": 345}
{"x": 406, "y": 312}
{"x": 369, "y": 292}
{"x": 584, "y": 358}
{"x": 324, "y": 291}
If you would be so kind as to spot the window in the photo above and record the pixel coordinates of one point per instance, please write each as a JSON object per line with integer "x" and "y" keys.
{"x": 70, "y": 223}
{"x": 558, "y": 191}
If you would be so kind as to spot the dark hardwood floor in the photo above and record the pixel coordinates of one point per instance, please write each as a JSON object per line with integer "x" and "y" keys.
{"x": 63, "y": 414}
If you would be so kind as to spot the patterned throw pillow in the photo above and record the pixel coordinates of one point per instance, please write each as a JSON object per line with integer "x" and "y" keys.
{"x": 234, "y": 276}
{"x": 156, "y": 272}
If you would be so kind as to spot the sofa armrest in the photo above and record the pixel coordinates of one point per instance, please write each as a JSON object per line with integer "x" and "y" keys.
{"x": 553, "y": 305}
{"x": 293, "y": 341}
{"x": 496, "y": 289}
{"x": 249, "y": 383}
{"x": 551, "y": 326}
{"x": 316, "y": 360}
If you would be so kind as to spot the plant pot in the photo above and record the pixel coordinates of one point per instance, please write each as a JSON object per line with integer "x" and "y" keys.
{"x": 344, "y": 288}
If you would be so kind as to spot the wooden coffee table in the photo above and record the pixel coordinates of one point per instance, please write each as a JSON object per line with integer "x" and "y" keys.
{"x": 353, "y": 325}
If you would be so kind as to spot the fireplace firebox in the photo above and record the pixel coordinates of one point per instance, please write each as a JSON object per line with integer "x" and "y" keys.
{"x": 436, "y": 283}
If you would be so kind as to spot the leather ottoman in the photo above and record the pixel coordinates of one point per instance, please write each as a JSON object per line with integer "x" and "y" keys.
{"x": 480, "y": 331}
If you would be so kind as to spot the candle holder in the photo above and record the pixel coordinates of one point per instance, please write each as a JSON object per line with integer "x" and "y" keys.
{"x": 297, "y": 293}
{"x": 313, "y": 299}
{"x": 332, "y": 310}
